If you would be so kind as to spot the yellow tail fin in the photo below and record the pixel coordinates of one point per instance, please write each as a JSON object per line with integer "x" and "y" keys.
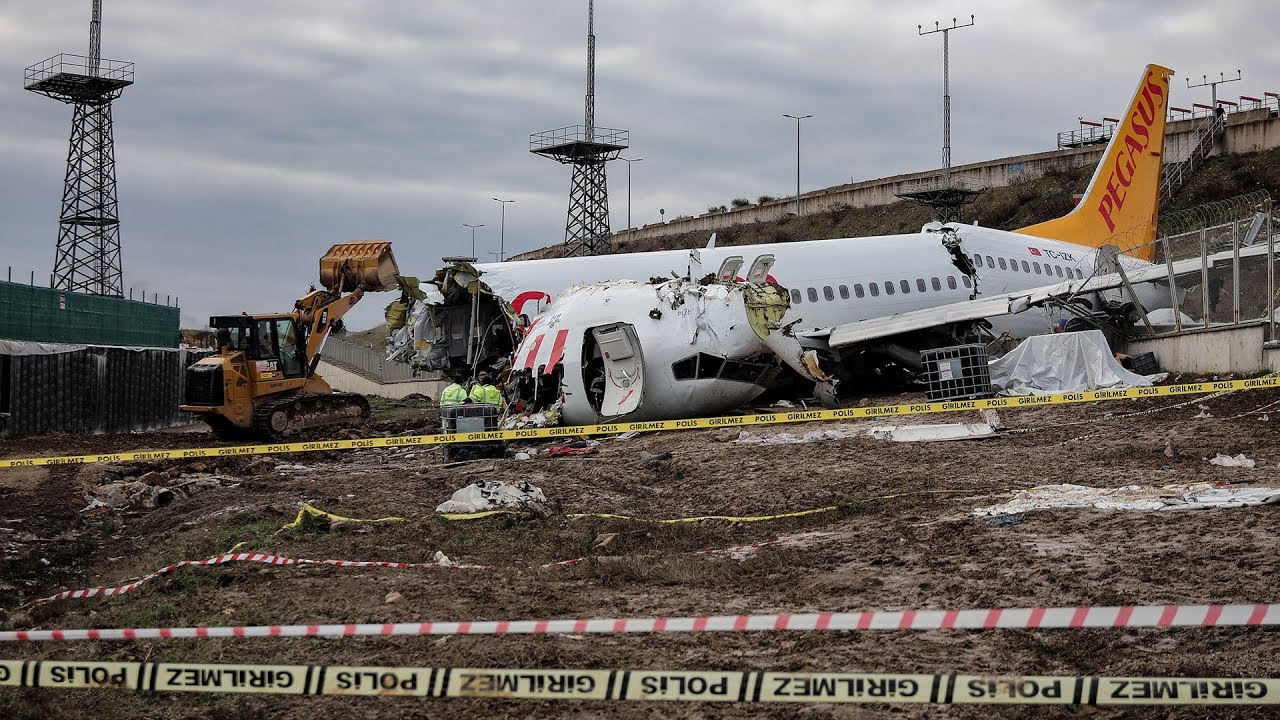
{"x": 1122, "y": 201}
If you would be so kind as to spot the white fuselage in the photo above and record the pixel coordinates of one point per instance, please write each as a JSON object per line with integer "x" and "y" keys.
{"x": 825, "y": 276}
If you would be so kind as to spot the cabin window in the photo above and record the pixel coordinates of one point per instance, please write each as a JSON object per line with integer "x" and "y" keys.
{"x": 920, "y": 285}
{"x": 795, "y": 297}
{"x": 991, "y": 263}
{"x": 1058, "y": 269}
{"x": 936, "y": 283}
{"x": 828, "y": 293}
{"x": 965, "y": 280}
{"x": 951, "y": 282}
{"x": 888, "y": 287}
{"x": 1002, "y": 265}
{"x": 874, "y": 288}
{"x": 1025, "y": 267}
{"x": 905, "y": 285}
{"x": 1079, "y": 274}
{"x": 977, "y": 260}
{"x": 813, "y": 295}
{"x": 844, "y": 292}
{"x": 1036, "y": 265}
{"x": 686, "y": 369}
{"x": 857, "y": 290}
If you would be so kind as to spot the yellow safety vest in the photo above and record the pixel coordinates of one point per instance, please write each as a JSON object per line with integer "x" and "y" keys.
{"x": 486, "y": 394}
{"x": 455, "y": 394}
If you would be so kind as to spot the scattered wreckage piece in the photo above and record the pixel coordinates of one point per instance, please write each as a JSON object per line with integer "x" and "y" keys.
{"x": 1197, "y": 496}
{"x": 483, "y": 496}
{"x": 138, "y": 494}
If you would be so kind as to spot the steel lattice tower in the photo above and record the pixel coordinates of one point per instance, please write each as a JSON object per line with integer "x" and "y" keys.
{"x": 587, "y": 148}
{"x": 88, "y": 253}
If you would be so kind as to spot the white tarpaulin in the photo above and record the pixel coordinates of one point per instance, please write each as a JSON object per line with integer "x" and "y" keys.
{"x": 1197, "y": 496}
{"x": 1062, "y": 362}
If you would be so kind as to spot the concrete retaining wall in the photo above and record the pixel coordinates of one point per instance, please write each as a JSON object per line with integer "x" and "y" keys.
{"x": 347, "y": 381}
{"x": 1236, "y": 349}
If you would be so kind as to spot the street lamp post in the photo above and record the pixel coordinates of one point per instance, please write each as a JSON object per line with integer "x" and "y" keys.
{"x": 502, "y": 232}
{"x": 473, "y": 238}
{"x": 628, "y": 161}
{"x": 797, "y": 118}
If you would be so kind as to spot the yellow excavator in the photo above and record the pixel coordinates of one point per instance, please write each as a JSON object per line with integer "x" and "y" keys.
{"x": 262, "y": 383}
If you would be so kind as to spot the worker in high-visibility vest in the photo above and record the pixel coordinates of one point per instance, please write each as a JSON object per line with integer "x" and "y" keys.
{"x": 483, "y": 392}
{"x": 454, "y": 394}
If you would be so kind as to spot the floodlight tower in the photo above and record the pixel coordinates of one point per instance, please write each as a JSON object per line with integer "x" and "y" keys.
{"x": 87, "y": 258}
{"x": 587, "y": 148}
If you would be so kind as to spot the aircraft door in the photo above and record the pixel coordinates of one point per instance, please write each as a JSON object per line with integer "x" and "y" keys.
{"x": 760, "y": 268}
{"x": 621, "y": 369}
{"x": 729, "y": 268}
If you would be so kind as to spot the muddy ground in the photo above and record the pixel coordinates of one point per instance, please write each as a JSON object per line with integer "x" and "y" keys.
{"x": 903, "y": 538}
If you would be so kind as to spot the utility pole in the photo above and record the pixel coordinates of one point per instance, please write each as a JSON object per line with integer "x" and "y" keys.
{"x": 1213, "y": 84}
{"x": 946, "y": 90}
{"x": 628, "y": 161}
{"x": 473, "y": 239}
{"x": 502, "y": 232}
{"x": 797, "y": 118}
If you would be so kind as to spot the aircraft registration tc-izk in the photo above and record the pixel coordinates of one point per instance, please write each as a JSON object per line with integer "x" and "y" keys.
{"x": 669, "y": 334}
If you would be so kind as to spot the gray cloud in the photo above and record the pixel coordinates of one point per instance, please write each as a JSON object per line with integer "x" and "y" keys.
{"x": 259, "y": 133}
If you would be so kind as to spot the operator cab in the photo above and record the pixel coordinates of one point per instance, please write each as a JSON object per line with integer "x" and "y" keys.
{"x": 275, "y": 346}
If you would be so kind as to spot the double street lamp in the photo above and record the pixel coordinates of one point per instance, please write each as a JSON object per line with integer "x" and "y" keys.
{"x": 797, "y": 118}
{"x": 502, "y": 232}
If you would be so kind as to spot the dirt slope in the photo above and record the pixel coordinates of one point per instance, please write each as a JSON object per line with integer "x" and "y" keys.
{"x": 904, "y": 538}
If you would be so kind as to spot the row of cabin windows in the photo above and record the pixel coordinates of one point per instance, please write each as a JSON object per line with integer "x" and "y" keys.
{"x": 903, "y": 286}
{"x": 1050, "y": 270}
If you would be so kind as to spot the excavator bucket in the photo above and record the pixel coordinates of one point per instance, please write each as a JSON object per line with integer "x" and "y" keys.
{"x": 362, "y": 265}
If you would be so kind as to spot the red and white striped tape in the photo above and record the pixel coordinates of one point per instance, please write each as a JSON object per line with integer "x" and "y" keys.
{"x": 268, "y": 559}
{"x": 264, "y": 558}
{"x": 1132, "y": 616}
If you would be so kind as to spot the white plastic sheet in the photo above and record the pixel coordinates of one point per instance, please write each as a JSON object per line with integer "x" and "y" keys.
{"x": 1062, "y": 362}
{"x": 1197, "y": 496}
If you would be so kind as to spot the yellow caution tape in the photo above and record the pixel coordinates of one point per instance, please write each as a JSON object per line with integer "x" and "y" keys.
{"x": 875, "y": 411}
{"x": 306, "y": 512}
{"x": 677, "y": 685}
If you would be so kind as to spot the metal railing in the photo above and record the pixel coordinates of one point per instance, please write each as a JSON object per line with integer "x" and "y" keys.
{"x": 67, "y": 64}
{"x": 365, "y": 361}
{"x": 541, "y": 141}
{"x": 1092, "y": 135}
{"x": 1175, "y": 175}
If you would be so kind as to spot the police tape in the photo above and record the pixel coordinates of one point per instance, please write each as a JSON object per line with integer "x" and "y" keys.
{"x": 279, "y": 560}
{"x": 874, "y": 411}
{"x": 723, "y": 686}
{"x": 1128, "y": 616}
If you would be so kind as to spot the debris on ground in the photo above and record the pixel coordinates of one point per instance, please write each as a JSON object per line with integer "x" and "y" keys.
{"x": 394, "y": 598}
{"x": 1197, "y": 496}
{"x": 313, "y": 518}
{"x": 543, "y": 418}
{"x": 933, "y": 433}
{"x": 145, "y": 493}
{"x": 493, "y": 494}
{"x": 1233, "y": 461}
{"x": 1204, "y": 413}
{"x": 569, "y": 451}
{"x": 652, "y": 459}
{"x": 786, "y": 438}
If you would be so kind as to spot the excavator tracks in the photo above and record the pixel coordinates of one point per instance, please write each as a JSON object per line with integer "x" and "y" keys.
{"x": 286, "y": 417}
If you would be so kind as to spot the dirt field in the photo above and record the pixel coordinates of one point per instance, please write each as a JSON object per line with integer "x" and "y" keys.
{"x": 905, "y": 537}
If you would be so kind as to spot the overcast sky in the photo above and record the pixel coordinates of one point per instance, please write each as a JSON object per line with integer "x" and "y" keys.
{"x": 258, "y": 133}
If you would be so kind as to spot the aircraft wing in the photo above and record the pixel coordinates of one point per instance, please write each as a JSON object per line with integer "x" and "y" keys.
{"x": 1007, "y": 303}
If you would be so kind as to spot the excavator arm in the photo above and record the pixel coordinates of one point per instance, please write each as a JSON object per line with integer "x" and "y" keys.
{"x": 353, "y": 268}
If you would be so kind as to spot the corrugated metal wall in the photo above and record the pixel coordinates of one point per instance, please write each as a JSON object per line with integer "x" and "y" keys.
{"x": 95, "y": 390}
{"x": 40, "y": 314}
